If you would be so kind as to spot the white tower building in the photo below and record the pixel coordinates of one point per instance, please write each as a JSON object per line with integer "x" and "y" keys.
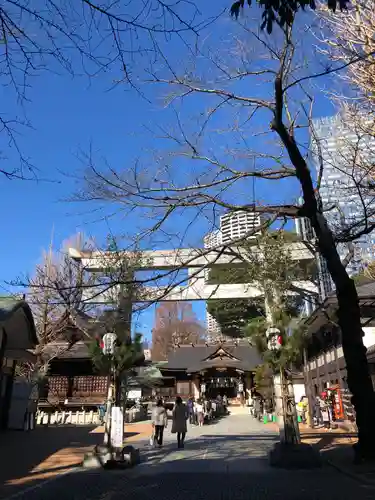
{"x": 233, "y": 226}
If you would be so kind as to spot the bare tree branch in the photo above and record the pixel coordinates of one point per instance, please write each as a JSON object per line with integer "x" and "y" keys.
{"x": 84, "y": 36}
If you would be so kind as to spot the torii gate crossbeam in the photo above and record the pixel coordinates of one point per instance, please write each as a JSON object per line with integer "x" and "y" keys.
{"x": 197, "y": 261}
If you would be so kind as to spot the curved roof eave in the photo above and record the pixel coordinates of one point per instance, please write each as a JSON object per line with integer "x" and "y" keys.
{"x": 9, "y": 307}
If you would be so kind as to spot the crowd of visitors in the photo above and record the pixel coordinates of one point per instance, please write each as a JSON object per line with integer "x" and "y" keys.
{"x": 198, "y": 412}
{"x": 259, "y": 406}
{"x": 322, "y": 410}
{"x": 203, "y": 410}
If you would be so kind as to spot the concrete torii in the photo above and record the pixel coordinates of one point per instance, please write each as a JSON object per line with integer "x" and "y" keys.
{"x": 197, "y": 261}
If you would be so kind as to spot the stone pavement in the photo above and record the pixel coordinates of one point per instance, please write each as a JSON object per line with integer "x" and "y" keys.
{"x": 32, "y": 457}
{"x": 224, "y": 460}
{"x": 335, "y": 446}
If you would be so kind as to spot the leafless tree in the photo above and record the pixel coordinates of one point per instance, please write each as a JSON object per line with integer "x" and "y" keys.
{"x": 61, "y": 290}
{"x": 84, "y": 37}
{"x": 175, "y": 325}
{"x": 245, "y": 81}
{"x": 349, "y": 39}
{"x": 54, "y": 294}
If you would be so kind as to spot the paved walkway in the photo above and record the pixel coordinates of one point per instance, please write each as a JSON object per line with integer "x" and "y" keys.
{"x": 223, "y": 461}
{"x": 32, "y": 457}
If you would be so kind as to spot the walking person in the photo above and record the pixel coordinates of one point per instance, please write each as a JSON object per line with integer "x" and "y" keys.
{"x": 317, "y": 411}
{"x": 257, "y": 407}
{"x": 159, "y": 422}
{"x": 225, "y": 404}
{"x": 207, "y": 407}
{"x": 190, "y": 407}
{"x": 200, "y": 413}
{"x": 261, "y": 409}
{"x": 324, "y": 411}
{"x": 179, "y": 417}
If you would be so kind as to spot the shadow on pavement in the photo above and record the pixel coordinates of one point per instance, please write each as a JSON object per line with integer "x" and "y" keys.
{"x": 29, "y": 457}
{"x": 338, "y": 451}
{"x": 224, "y": 448}
{"x": 195, "y": 477}
{"x": 336, "y": 448}
{"x": 232, "y": 467}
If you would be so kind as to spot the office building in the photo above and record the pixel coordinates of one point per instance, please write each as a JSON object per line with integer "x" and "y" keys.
{"x": 325, "y": 283}
{"x": 334, "y": 142}
{"x": 342, "y": 149}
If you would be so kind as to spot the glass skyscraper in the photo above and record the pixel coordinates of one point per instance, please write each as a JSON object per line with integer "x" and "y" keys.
{"x": 325, "y": 283}
{"x": 345, "y": 153}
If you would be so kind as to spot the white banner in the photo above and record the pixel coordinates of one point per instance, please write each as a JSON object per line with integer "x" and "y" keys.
{"x": 117, "y": 427}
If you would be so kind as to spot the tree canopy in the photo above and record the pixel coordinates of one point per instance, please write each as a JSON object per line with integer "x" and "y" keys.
{"x": 126, "y": 357}
{"x": 282, "y": 12}
{"x": 233, "y": 315}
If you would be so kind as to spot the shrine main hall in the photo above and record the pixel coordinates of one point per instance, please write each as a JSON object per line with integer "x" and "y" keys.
{"x": 226, "y": 368}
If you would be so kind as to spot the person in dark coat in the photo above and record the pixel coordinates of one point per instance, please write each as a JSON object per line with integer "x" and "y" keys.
{"x": 318, "y": 411}
{"x": 179, "y": 416}
{"x": 190, "y": 407}
{"x": 257, "y": 407}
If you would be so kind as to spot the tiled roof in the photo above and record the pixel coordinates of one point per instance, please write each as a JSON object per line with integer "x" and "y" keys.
{"x": 318, "y": 318}
{"x": 187, "y": 357}
{"x": 9, "y": 306}
{"x": 87, "y": 324}
{"x": 79, "y": 350}
{"x": 366, "y": 290}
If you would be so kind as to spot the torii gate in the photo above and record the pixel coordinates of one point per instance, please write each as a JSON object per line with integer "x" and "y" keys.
{"x": 197, "y": 261}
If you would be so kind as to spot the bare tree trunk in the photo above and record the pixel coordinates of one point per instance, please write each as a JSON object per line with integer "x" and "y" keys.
{"x": 358, "y": 375}
{"x": 284, "y": 396}
{"x": 107, "y": 428}
{"x": 309, "y": 395}
{"x": 279, "y": 406}
{"x": 291, "y": 410}
{"x": 349, "y": 316}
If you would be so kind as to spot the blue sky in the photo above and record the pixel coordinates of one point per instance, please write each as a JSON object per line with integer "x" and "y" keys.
{"x": 70, "y": 115}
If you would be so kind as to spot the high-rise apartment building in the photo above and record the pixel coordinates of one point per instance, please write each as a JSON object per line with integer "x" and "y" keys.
{"x": 342, "y": 150}
{"x": 213, "y": 239}
{"x": 213, "y": 327}
{"x": 233, "y": 226}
